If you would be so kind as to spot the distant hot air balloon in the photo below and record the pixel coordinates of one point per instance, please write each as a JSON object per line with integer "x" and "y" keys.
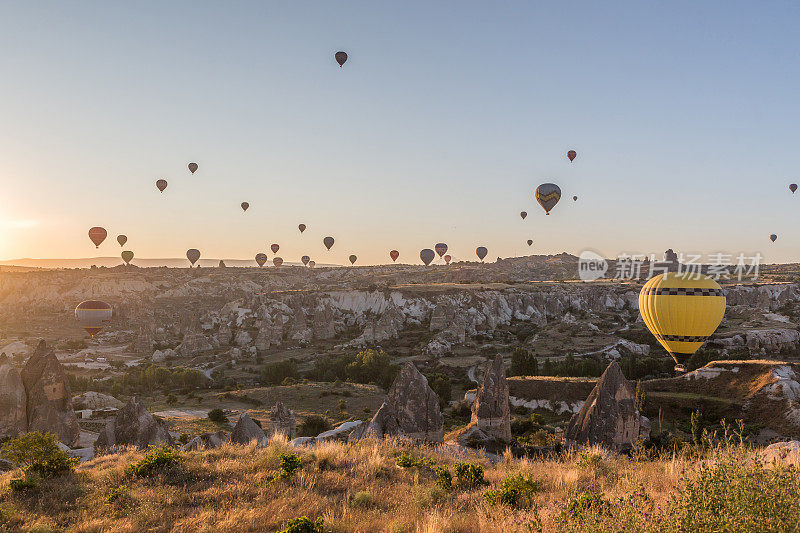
{"x": 328, "y": 242}
{"x": 261, "y": 258}
{"x": 773, "y": 237}
{"x": 572, "y": 154}
{"x": 481, "y": 251}
{"x": 127, "y": 256}
{"x": 245, "y": 205}
{"x": 574, "y": 198}
{"x": 427, "y": 255}
{"x": 122, "y": 239}
{"x": 341, "y": 57}
{"x": 523, "y": 214}
{"x": 548, "y": 195}
{"x": 275, "y": 248}
{"x": 193, "y": 254}
{"x": 277, "y": 261}
{"x": 97, "y": 235}
{"x": 792, "y": 187}
{"x": 192, "y": 167}
{"x": 441, "y": 248}
{"x": 93, "y": 315}
{"x": 305, "y": 259}
{"x": 681, "y": 311}
{"x": 161, "y": 185}
{"x": 530, "y": 241}
{"x": 447, "y": 259}
{"x": 301, "y": 227}
{"x": 353, "y": 259}
{"x": 312, "y": 264}
{"x": 394, "y": 254}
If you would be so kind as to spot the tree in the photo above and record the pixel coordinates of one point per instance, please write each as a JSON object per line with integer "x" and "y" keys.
{"x": 523, "y": 363}
{"x": 698, "y": 425}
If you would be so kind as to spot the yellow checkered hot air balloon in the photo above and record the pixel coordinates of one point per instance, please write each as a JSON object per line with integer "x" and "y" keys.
{"x": 682, "y": 310}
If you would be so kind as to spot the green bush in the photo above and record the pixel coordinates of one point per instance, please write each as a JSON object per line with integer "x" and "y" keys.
{"x": 516, "y": 491}
{"x": 362, "y": 500}
{"x": 469, "y": 475}
{"x": 38, "y": 454}
{"x": 440, "y": 384}
{"x": 444, "y": 479}
{"x": 24, "y": 484}
{"x": 217, "y": 415}
{"x": 289, "y": 465}
{"x": 119, "y": 496}
{"x": 406, "y": 460}
{"x": 313, "y": 425}
{"x": 275, "y": 373}
{"x": 367, "y": 366}
{"x": 155, "y": 460}
{"x": 303, "y": 524}
{"x": 523, "y": 363}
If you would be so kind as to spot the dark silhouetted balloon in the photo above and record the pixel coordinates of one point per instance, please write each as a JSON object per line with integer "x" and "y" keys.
{"x": 97, "y": 235}
{"x": 127, "y": 256}
{"x": 261, "y": 258}
{"x": 523, "y": 214}
{"x": 192, "y": 167}
{"x": 193, "y": 254}
{"x": 93, "y": 315}
{"x": 301, "y": 227}
{"x": 305, "y": 259}
{"x": 353, "y": 259}
{"x": 277, "y": 261}
{"x": 792, "y": 187}
{"x": 548, "y": 195}
{"x": 274, "y": 248}
{"x": 161, "y": 185}
{"x": 312, "y": 264}
{"x": 773, "y": 237}
{"x": 530, "y": 241}
{"x": 341, "y": 57}
{"x": 328, "y": 242}
{"x": 427, "y": 255}
{"x": 394, "y": 254}
{"x": 245, "y": 205}
{"x": 122, "y": 239}
{"x": 481, "y": 251}
{"x": 447, "y": 259}
{"x": 441, "y": 248}
{"x": 574, "y": 198}
{"x": 572, "y": 154}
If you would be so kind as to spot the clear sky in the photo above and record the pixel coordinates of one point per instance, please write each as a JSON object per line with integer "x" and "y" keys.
{"x": 439, "y": 127}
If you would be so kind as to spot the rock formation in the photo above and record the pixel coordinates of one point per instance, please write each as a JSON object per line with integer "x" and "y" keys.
{"x": 134, "y": 426}
{"x": 208, "y": 441}
{"x": 48, "y": 397}
{"x": 95, "y": 400}
{"x": 609, "y": 416}
{"x": 282, "y": 420}
{"x": 13, "y": 412}
{"x": 490, "y": 410}
{"x": 246, "y": 431}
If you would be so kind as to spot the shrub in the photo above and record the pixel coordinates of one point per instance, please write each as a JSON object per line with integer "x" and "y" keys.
{"x": 469, "y": 475}
{"x": 303, "y": 524}
{"x": 587, "y": 504}
{"x": 444, "y": 479}
{"x": 155, "y": 460}
{"x": 217, "y": 415}
{"x": 274, "y": 373}
{"x": 120, "y": 496}
{"x": 362, "y": 499}
{"x": 516, "y": 491}
{"x": 313, "y": 425}
{"x": 38, "y": 453}
{"x": 342, "y": 404}
{"x": 440, "y": 384}
{"x": 523, "y": 363}
{"x": 289, "y": 465}
{"x": 698, "y": 425}
{"x": 24, "y": 484}
{"x": 406, "y": 460}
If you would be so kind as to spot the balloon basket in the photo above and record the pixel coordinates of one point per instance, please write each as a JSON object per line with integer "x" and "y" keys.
{"x": 680, "y": 369}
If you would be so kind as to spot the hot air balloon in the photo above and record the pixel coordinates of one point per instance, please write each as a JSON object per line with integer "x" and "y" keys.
{"x": 93, "y": 315}
{"x": 441, "y": 248}
{"x": 161, "y": 185}
{"x": 192, "y": 167}
{"x": 523, "y": 214}
{"x": 530, "y": 241}
{"x": 192, "y": 254}
{"x": 274, "y": 248}
{"x": 572, "y": 154}
{"x": 773, "y": 237}
{"x": 353, "y": 259}
{"x": 305, "y": 259}
{"x": 312, "y": 264}
{"x": 548, "y": 195}
{"x": 97, "y": 235}
{"x": 301, "y": 227}
{"x": 341, "y": 57}
{"x": 574, "y": 198}
{"x": 447, "y": 259}
{"x": 127, "y": 256}
{"x": 122, "y": 239}
{"x": 328, "y": 242}
{"x": 427, "y": 255}
{"x": 277, "y": 261}
{"x": 792, "y": 187}
{"x": 394, "y": 254}
{"x": 245, "y": 205}
{"x": 481, "y": 251}
{"x": 261, "y": 258}
{"x": 681, "y": 311}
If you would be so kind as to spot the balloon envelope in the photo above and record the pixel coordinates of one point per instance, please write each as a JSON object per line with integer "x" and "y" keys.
{"x": 97, "y": 235}
{"x": 441, "y": 248}
{"x": 548, "y": 195}
{"x": 261, "y": 258}
{"x": 93, "y": 315}
{"x": 793, "y": 187}
{"x": 305, "y": 259}
{"x": 696, "y": 299}
{"x": 572, "y": 154}
{"x": 394, "y": 254}
{"x": 274, "y": 248}
{"x": 353, "y": 259}
{"x": 245, "y": 205}
{"x": 301, "y": 227}
{"x": 773, "y": 237}
{"x": 481, "y": 251}
{"x": 523, "y": 214}
{"x": 277, "y": 261}
{"x": 530, "y": 241}
{"x": 328, "y": 242}
{"x": 341, "y": 57}
{"x": 427, "y": 255}
{"x": 127, "y": 256}
{"x": 122, "y": 239}
{"x": 192, "y": 254}
{"x": 312, "y": 264}
{"x": 192, "y": 167}
{"x": 161, "y": 185}
{"x": 447, "y": 259}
